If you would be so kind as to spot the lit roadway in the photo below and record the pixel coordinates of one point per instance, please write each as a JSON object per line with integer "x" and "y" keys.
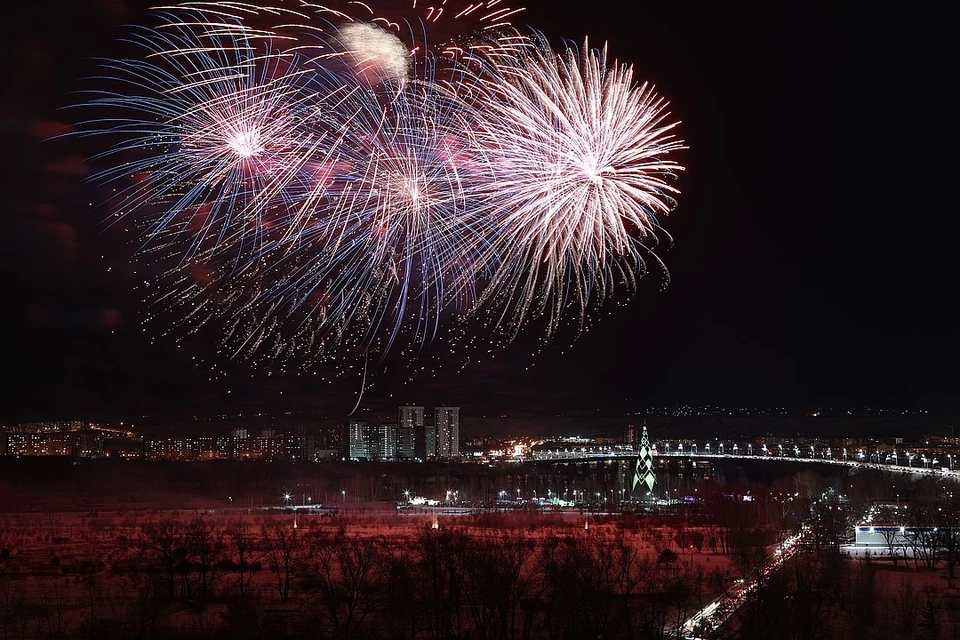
{"x": 714, "y": 615}
{"x": 619, "y": 453}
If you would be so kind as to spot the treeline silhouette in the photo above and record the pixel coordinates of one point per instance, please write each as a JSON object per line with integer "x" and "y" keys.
{"x": 198, "y": 577}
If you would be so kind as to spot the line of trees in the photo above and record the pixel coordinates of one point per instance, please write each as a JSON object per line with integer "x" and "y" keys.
{"x": 202, "y": 578}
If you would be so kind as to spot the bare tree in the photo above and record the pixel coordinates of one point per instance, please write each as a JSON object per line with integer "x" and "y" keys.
{"x": 14, "y": 610}
{"x": 401, "y": 606}
{"x": 441, "y": 558}
{"x": 923, "y": 536}
{"x": 207, "y": 550}
{"x": 908, "y": 604}
{"x": 52, "y": 612}
{"x": 946, "y": 518}
{"x": 348, "y": 582}
{"x": 246, "y": 558}
{"x": 864, "y": 598}
{"x": 283, "y": 549}
{"x": 165, "y": 540}
{"x": 893, "y": 538}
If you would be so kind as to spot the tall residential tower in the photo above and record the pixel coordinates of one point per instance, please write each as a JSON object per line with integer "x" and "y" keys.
{"x": 410, "y": 429}
{"x": 446, "y": 421}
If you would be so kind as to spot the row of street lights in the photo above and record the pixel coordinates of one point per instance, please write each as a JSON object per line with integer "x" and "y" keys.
{"x": 306, "y": 500}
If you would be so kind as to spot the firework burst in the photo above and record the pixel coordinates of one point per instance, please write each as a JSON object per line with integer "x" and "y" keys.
{"x": 312, "y": 180}
{"x": 581, "y": 174}
{"x": 212, "y": 127}
{"x": 399, "y": 245}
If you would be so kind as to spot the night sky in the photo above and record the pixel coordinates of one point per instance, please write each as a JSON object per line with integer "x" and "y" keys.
{"x": 813, "y": 258}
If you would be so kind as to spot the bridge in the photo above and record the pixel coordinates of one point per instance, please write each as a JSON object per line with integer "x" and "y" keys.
{"x": 924, "y": 466}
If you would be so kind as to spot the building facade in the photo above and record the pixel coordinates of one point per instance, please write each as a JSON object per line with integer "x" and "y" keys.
{"x": 410, "y": 417}
{"x": 447, "y": 424}
{"x": 406, "y": 445}
{"x": 383, "y": 442}
{"x": 359, "y": 438}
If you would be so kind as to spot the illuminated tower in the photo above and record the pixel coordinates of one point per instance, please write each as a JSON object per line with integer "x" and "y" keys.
{"x": 643, "y": 472}
{"x": 359, "y": 439}
{"x": 447, "y": 421}
{"x": 410, "y": 423}
{"x": 383, "y": 442}
{"x": 430, "y": 438}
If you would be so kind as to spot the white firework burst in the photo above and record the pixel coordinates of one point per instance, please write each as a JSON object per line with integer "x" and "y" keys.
{"x": 579, "y": 152}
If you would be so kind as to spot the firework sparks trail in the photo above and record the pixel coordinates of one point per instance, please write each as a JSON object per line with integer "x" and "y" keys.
{"x": 316, "y": 179}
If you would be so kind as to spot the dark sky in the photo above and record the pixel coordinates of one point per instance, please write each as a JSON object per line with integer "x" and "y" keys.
{"x": 813, "y": 244}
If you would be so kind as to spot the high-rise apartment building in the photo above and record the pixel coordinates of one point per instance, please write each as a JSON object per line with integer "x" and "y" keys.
{"x": 411, "y": 418}
{"x": 334, "y": 439}
{"x": 383, "y": 442}
{"x": 359, "y": 439}
{"x": 446, "y": 421}
{"x": 406, "y": 447}
{"x": 430, "y": 441}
